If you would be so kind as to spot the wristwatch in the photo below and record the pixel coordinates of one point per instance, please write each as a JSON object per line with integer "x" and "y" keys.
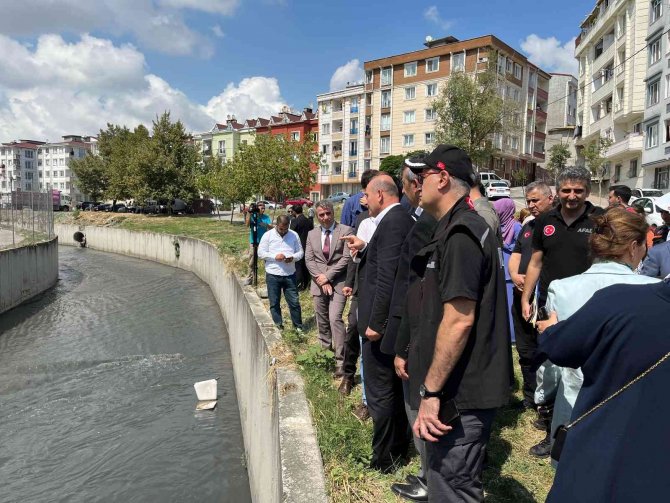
{"x": 429, "y": 394}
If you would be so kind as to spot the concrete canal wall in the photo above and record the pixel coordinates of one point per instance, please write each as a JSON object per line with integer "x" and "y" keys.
{"x": 27, "y": 271}
{"x": 283, "y": 456}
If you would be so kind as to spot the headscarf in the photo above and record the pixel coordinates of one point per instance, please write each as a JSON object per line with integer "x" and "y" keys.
{"x": 505, "y": 209}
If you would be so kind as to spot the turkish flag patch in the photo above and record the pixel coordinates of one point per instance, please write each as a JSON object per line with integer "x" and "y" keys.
{"x": 526, "y": 234}
{"x": 549, "y": 230}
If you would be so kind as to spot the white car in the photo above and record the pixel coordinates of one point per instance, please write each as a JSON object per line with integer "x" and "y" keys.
{"x": 638, "y": 193}
{"x": 489, "y": 177}
{"x": 651, "y": 210}
{"x": 495, "y": 190}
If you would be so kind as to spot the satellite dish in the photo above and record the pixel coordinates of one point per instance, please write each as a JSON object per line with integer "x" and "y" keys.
{"x": 429, "y": 38}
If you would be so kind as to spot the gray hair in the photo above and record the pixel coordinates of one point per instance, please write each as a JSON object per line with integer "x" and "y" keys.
{"x": 540, "y": 186}
{"x": 283, "y": 220}
{"x": 574, "y": 174}
{"x": 325, "y": 204}
{"x": 410, "y": 175}
{"x": 461, "y": 187}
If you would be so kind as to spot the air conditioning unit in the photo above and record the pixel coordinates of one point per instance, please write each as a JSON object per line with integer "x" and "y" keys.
{"x": 483, "y": 59}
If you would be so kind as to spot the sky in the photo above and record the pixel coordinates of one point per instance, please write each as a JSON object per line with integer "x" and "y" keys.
{"x": 71, "y": 67}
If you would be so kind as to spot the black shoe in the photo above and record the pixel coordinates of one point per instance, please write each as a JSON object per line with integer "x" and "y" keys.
{"x": 541, "y": 450}
{"x": 412, "y": 492}
{"x": 540, "y": 424}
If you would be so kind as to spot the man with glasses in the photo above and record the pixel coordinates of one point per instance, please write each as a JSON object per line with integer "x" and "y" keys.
{"x": 560, "y": 249}
{"x": 460, "y": 360}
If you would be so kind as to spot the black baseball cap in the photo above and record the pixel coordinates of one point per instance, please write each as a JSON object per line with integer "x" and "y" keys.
{"x": 451, "y": 159}
{"x": 416, "y": 163}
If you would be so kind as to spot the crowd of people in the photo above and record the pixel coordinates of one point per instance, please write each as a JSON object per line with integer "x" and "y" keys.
{"x": 441, "y": 284}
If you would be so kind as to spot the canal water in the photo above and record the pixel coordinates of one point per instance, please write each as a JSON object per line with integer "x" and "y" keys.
{"x": 96, "y": 389}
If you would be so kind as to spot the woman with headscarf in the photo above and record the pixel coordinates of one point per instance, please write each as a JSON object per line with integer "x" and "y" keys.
{"x": 509, "y": 227}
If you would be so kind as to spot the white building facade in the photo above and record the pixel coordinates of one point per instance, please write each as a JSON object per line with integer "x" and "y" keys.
{"x": 611, "y": 99}
{"x": 344, "y": 140}
{"x": 562, "y": 114}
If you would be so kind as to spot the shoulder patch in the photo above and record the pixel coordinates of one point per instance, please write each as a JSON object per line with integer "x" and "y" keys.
{"x": 549, "y": 230}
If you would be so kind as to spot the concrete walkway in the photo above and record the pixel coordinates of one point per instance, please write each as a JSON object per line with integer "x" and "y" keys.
{"x": 6, "y": 239}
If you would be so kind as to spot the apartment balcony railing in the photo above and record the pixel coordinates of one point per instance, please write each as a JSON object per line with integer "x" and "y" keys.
{"x": 633, "y": 142}
{"x": 353, "y": 153}
{"x": 337, "y": 135}
{"x": 540, "y": 135}
{"x": 353, "y": 130}
{"x": 540, "y": 114}
{"x": 337, "y": 154}
{"x": 367, "y": 154}
{"x": 538, "y": 155}
{"x": 386, "y": 104}
{"x": 352, "y": 174}
{"x": 542, "y": 94}
{"x": 353, "y": 110}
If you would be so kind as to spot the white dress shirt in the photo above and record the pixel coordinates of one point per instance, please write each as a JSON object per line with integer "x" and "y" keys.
{"x": 272, "y": 244}
{"x": 323, "y": 235}
{"x": 378, "y": 219}
{"x": 365, "y": 232}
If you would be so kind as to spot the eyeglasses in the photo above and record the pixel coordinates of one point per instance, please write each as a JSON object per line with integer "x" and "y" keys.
{"x": 425, "y": 174}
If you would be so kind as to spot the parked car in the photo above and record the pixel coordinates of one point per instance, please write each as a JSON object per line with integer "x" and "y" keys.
{"x": 101, "y": 207}
{"x": 495, "y": 190}
{"x": 488, "y": 177}
{"x": 88, "y": 205}
{"x": 299, "y": 200}
{"x": 652, "y": 212}
{"x": 338, "y": 197}
{"x": 638, "y": 193}
{"x": 119, "y": 208}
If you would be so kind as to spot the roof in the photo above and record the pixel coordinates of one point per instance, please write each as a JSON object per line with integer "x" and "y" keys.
{"x": 22, "y": 145}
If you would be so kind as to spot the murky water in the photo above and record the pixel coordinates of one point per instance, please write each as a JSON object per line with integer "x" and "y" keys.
{"x": 96, "y": 389}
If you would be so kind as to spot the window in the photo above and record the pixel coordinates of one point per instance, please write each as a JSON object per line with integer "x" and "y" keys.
{"x": 656, "y": 10}
{"x": 39, "y": 174}
{"x": 384, "y": 145}
{"x": 353, "y": 105}
{"x": 662, "y": 178}
{"x": 598, "y": 49}
{"x": 386, "y": 76}
{"x": 458, "y": 62}
{"x": 517, "y": 95}
{"x": 295, "y": 135}
{"x": 430, "y": 138}
{"x": 39, "y": 162}
{"x": 667, "y": 130}
{"x": 582, "y": 65}
{"x": 410, "y": 93}
{"x": 517, "y": 71}
{"x": 385, "y": 122}
{"x": 432, "y": 65}
{"x": 652, "y": 93}
{"x": 353, "y": 166}
{"x": 621, "y": 26}
{"x": 325, "y": 128}
{"x": 431, "y": 89}
{"x": 431, "y": 115}
{"x": 386, "y": 99}
{"x": 368, "y": 77}
{"x": 29, "y": 164}
{"x": 353, "y": 148}
{"x": 353, "y": 126}
{"x": 514, "y": 143}
{"x": 29, "y": 154}
{"x": 409, "y": 117}
{"x": 501, "y": 65}
{"x": 632, "y": 171}
{"x": 508, "y": 65}
{"x": 667, "y": 86}
{"x": 655, "y": 51}
{"x": 325, "y": 149}
{"x": 326, "y": 107}
{"x": 408, "y": 140}
{"x": 652, "y": 136}
{"x": 29, "y": 176}
{"x": 410, "y": 69}
{"x": 47, "y": 174}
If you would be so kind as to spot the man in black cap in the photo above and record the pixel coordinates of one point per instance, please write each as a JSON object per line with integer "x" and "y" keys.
{"x": 460, "y": 358}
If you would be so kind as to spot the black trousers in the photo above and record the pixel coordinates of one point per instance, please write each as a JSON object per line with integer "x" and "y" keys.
{"x": 302, "y": 275}
{"x": 526, "y": 346}
{"x": 383, "y": 389}
{"x": 352, "y": 344}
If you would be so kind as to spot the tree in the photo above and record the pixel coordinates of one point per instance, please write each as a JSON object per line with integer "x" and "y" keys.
{"x": 392, "y": 164}
{"x": 91, "y": 176}
{"x": 470, "y": 110}
{"x": 559, "y": 155}
{"x": 595, "y": 160}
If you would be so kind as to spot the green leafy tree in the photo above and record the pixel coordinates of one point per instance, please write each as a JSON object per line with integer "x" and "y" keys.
{"x": 392, "y": 164}
{"x": 90, "y": 175}
{"x": 594, "y": 157}
{"x": 470, "y": 110}
{"x": 559, "y": 155}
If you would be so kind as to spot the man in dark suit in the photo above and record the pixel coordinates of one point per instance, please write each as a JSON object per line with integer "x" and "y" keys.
{"x": 301, "y": 225}
{"x": 377, "y": 271}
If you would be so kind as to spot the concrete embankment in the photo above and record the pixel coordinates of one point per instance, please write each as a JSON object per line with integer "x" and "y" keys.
{"x": 283, "y": 457}
{"x": 27, "y": 271}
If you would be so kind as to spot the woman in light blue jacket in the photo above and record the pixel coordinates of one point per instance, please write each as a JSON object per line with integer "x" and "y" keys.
{"x": 618, "y": 244}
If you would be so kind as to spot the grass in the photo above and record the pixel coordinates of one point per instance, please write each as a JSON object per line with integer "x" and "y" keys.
{"x": 345, "y": 442}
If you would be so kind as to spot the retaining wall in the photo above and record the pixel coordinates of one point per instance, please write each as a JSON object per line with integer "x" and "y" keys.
{"x": 27, "y": 271}
{"x": 283, "y": 457}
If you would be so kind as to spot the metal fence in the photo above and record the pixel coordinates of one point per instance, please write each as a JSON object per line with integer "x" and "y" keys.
{"x": 25, "y": 218}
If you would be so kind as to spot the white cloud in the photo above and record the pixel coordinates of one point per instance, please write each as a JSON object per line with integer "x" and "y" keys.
{"x": 432, "y": 14}
{"x": 252, "y": 97}
{"x": 218, "y": 32}
{"x": 58, "y": 88}
{"x": 550, "y": 55}
{"x": 158, "y": 25}
{"x": 351, "y": 71}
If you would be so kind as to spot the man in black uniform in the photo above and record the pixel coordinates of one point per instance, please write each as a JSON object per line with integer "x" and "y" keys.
{"x": 560, "y": 250}
{"x": 302, "y": 225}
{"x": 460, "y": 361}
{"x": 539, "y": 200}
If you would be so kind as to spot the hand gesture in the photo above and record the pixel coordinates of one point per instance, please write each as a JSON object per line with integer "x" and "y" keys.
{"x": 354, "y": 242}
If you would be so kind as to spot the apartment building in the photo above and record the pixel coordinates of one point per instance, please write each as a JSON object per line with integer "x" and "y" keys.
{"x": 18, "y": 165}
{"x": 562, "y": 113}
{"x": 400, "y": 90}
{"x": 224, "y": 139}
{"x": 656, "y": 126}
{"x": 611, "y": 99}
{"x": 344, "y": 140}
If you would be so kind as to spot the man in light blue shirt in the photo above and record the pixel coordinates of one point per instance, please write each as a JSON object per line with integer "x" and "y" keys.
{"x": 281, "y": 248}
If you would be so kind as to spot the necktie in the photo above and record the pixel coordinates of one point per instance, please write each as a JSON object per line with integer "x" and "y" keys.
{"x": 326, "y": 245}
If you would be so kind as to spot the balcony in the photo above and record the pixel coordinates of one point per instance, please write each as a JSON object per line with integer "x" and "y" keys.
{"x": 353, "y": 110}
{"x": 540, "y": 135}
{"x": 353, "y": 130}
{"x": 353, "y": 153}
{"x": 538, "y": 155}
{"x": 352, "y": 174}
{"x": 367, "y": 154}
{"x": 337, "y": 135}
{"x": 369, "y": 86}
{"x": 540, "y": 114}
{"x": 337, "y": 154}
{"x": 633, "y": 142}
{"x": 542, "y": 94}
{"x": 337, "y": 114}
{"x": 368, "y": 131}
